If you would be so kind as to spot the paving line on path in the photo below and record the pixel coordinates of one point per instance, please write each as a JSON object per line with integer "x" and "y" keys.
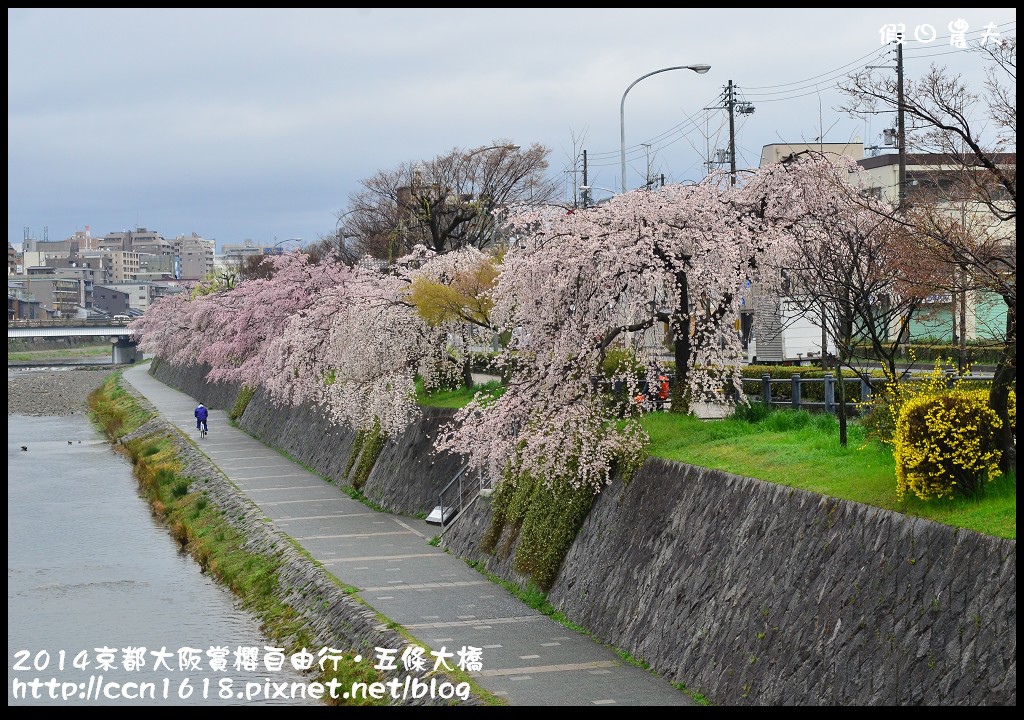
{"x": 350, "y": 535}
{"x": 290, "y": 518}
{"x": 249, "y": 456}
{"x": 252, "y": 467}
{"x": 566, "y": 667}
{"x": 425, "y": 586}
{"x": 475, "y": 622}
{"x": 274, "y": 477}
{"x": 266, "y": 503}
{"x": 367, "y": 558}
{"x": 409, "y": 528}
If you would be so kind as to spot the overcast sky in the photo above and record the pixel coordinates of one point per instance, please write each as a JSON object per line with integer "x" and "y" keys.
{"x": 260, "y": 123}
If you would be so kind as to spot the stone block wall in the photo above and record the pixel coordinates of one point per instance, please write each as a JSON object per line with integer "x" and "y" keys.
{"x": 757, "y": 594}
{"x": 748, "y": 592}
{"x": 407, "y": 477}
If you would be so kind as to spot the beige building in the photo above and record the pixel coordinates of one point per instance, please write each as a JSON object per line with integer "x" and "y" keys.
{"x": 933, "y": 178}
{"x": 195, "y": 256}
{"x": 120, "y": 265}
{"x": 777, "y": 152}
{"x": 139, "y": 294}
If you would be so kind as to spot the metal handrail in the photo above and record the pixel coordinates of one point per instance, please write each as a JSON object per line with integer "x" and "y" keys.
{"x": 444, "y": 491}
{"x": 461, "y": 499}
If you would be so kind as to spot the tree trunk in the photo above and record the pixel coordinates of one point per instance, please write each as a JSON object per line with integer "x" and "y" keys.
{"x": 845, "y": 353}
{"x": 962, "y": 347}
{"x": 467, "y": 361}
{"x": 682, "y": 349}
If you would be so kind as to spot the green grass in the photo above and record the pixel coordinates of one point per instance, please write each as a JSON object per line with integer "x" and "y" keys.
{"x": 455, "y": 398}
{"x": 801, "y": 450}
{"x": 85, "y": 351}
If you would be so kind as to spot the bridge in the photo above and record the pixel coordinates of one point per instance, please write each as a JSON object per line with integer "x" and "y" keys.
{"x": 124, "y": 348}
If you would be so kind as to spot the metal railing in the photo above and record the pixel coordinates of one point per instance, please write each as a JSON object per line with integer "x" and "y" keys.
{"x": 460, "y": 491}
{"x": 795, "y": 384}
{"x": 66, "y": 322}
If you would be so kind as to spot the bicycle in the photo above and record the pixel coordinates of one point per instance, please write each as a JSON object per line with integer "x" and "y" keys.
{"x": 201, "y": 413}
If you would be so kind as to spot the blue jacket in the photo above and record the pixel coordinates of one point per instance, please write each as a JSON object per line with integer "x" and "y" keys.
{"x": 201, "y": 413}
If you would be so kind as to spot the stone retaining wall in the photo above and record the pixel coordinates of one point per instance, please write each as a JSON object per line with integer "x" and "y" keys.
{"x": 748, "y": 592}
{"x": 333, "y": 617}
{"x": 758, "y": 594}
{"x": 407, "y": 477}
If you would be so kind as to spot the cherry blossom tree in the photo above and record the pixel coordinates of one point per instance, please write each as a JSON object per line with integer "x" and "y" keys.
{"x": 167, "y": 329}
{"x": 576, "y": 282}
{"x": 571, "y": 285}
{"x": 850, "y": 270}
{"x": 358, "y": 347}
{"x": 248, "y": 317}
{"x": 229, "y": 329}
{"x": 355, "y": 352}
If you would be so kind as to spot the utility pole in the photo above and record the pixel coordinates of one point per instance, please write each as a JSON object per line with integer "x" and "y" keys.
{"x": 647, "y": 175}
{"x": 901, "y": 135}
{"x": 586, "y": 185}
{"x": 733, "y": 106}
{"x": 730, "y": 102}
{"x": 900, "y": 140}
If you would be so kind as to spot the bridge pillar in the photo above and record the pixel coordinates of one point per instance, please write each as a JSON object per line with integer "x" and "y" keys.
{"x": 125, "y": 351}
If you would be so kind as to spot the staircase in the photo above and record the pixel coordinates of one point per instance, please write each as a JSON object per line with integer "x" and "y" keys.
{"x": 457, "y": 495}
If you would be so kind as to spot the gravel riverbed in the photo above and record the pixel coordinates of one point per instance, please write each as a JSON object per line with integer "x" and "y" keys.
{"x": 52, "y": 391}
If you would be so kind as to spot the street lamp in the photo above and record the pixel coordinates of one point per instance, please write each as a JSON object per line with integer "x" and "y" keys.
{"x": 492, "y": 147}
{"x": 340, "y": 234}
{"x": 279, "y": 243}
{"x": 699, "y": 69}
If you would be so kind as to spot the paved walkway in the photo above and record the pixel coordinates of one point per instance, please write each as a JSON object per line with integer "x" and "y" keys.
{"x": 527, "y": 658}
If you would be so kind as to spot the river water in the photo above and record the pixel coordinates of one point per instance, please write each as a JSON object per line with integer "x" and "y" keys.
{"x": 89, "y": 567}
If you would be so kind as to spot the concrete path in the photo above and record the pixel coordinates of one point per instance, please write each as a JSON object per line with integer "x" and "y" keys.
{"x": 527, "y": 658}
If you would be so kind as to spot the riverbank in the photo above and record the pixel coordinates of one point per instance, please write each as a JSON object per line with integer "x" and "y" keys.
{"x": 749, "y": 592}
{"x": 302, "y": 606}
{"x": 41, "y": 391}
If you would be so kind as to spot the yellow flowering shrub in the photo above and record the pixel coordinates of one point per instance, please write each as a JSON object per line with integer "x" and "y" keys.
{"x": 882, "y": 410}
{"x": 946, "y": 445}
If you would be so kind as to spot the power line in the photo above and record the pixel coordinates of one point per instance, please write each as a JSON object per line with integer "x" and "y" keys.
{"x": 683, "y": 130}
{"x": 633, "y": 148}
{"x": 813, "y": 77}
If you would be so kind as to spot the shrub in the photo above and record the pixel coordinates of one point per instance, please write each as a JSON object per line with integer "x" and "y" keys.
{"x": 368, "y": 446}
{"x": 753, "y": 412}
{"x": 946, "y": 445}
{"x": 544, "y": 516}
{"x": 882, "y": 410}
{"x": 981, "y": 351}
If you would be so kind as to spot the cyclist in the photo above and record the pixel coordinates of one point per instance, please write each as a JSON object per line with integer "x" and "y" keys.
{"x": 201, "y": 414}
